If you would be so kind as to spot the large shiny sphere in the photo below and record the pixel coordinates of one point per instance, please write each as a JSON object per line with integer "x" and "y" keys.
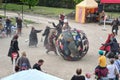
{"x": 72, "y": 45}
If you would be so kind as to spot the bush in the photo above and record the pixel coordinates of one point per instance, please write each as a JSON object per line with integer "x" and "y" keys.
{"x": 112, "y": 7}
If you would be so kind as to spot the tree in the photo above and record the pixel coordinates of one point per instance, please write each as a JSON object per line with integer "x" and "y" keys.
{"x": 77, "y": 1}
{"x": 30, "y": 3}
{"x": 0, "y": 3}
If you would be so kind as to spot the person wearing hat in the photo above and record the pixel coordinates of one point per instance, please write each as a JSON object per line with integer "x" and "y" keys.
{"x": 114, "y": 47}
{"x": 61, "y": 18}
{"x": 102, "y": 59}
{"x": 108, "y": 40}
{"x": 101, "y": 70}
{"x": 66, "y": 25}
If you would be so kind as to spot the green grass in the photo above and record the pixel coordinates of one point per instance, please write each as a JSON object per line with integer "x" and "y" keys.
{"x": 113, "y": 14}
{"x": 14, "y": 21}
{"x": 48, "y": 11}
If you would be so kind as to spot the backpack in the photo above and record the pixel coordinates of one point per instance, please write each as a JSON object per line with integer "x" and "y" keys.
{"x": 101, "y": 72}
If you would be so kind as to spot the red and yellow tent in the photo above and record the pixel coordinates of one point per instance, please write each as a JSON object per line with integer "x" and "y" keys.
{"x": 83, "y": 7}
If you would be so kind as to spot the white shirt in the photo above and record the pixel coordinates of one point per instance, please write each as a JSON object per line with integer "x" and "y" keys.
{"x": 117, "y": 63}
{"x": 111, "y": 71}
{"x": 86, "y": 78}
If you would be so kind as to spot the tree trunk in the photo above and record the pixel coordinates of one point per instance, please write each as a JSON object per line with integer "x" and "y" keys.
{"x": 30, "y": 6}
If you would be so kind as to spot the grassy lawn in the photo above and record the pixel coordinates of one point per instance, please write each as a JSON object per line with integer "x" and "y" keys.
{"x": 113, "y": 14}
{"x": 14, "y": 21}
{"x": 48, "y": 11}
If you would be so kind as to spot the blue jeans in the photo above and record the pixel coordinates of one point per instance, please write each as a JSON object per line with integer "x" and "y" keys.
{"x": 104, "y": 78}
{"x": 112, "y": 79}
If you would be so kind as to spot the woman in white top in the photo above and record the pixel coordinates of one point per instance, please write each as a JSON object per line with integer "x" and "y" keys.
{"x": 112, "y": 70}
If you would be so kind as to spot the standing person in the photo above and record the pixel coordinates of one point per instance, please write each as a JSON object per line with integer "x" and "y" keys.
{"x": 23, "y": 62}
{"x": 19, "y": 25}
{"x": 112, "y": 68}
{"x": 114, "y": 45}
{"x": 58, "y": 28}
{"x": 115, "y": 25}
{"x": 51, "y": 42}
{"x": 46, "y": 34}
{"x": 87, "y": 76}
{"x": 33, "y": 40}
{"x": 102, "y": 16}
{"x": 117, "y": 63}
{"x": 102, "y": 60}
{"x": 101, "y": 71}
{"x": 109, "y": 39}
{"x": 66, "y": 25}
{"x": 78, "y": 76}
{"x": 61, "y": 19}
{"x": 38, "y": 65}
{"x": 14, "y": 47}
{"x": 8, "y": 26}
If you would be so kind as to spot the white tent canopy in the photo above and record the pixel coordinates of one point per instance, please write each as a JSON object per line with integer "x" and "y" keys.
{"x": 88, "y": 4}
{"x": 31, "y": 74}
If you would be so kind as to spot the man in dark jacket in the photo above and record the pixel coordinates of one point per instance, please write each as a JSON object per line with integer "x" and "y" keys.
{"x": 38, "y": 65}
{"x": 19, "y": 25}
{"x": 8, "y": 26}
{"x": 114, "y": 45}
{"x": 115, "y": 25}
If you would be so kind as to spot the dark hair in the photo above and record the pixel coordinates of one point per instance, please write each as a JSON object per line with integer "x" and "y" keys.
{"x": 78, "y": 71}
{"x": 116, "y": 57}
{"x": 15, "y": 36}
{"x": 114, "y": 39}
{"x": 40, "y": 61}
{"x": 111, "y": 61}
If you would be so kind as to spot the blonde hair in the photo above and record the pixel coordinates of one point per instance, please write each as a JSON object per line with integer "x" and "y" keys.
{"x": 23, "y": 53}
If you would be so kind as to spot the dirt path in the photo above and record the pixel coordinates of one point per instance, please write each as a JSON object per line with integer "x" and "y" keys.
{"x": 55, "y": 65}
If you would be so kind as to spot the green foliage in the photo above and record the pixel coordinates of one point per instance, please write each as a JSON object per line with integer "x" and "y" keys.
{"x": 0, "y": 3}
{"x": 57, "y": 3}
{"x": 77, "y": 1}
{"x": 112, "y": 7}
{"x": 48, "y": 11}
{"x": 14, "y": 20}
{"x": 30, "y": 3}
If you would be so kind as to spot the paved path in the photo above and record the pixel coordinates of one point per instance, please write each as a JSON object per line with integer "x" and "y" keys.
{"x": 55, "y": 65}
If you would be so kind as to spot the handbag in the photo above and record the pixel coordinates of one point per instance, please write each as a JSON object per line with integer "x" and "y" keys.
{"x": 17, "y": 68}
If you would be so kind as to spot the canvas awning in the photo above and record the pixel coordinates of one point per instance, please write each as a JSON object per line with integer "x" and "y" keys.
{"x": 111, "y": 1}
{"x": 88, "y": 4}
{"x": 31, "y": 74}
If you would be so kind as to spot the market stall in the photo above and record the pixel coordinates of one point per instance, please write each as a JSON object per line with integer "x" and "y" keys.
{"x": 85, "y": 10}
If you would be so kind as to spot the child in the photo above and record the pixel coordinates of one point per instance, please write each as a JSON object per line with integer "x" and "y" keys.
{"x": 87, "y": 76}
